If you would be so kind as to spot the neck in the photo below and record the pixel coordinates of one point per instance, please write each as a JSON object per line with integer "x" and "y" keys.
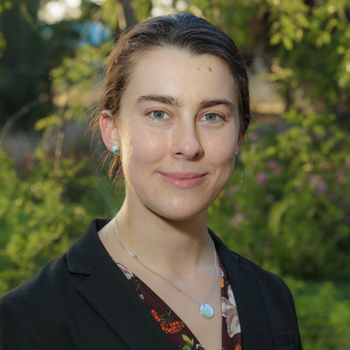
{"x": 164, "y": 244}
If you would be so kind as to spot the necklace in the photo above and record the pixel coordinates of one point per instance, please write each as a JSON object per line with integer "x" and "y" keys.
{"x": 205, "y": 309}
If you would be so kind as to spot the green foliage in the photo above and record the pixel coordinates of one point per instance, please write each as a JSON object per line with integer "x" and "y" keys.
{"x": 305, "y": 46}
{"x": 41, "y": 215}
{"x": 286, "y": 206}
{"x": 76, "y": 82}
{"x": 287, "y": 209}
{"x": 109, "y": 11}
{"x": 142, "y": 9}
{"x": 323, "y": 313}
{"x": 26, "y": 57}
{"x": 290, "y": 211}
{"x": 236, "y": 18}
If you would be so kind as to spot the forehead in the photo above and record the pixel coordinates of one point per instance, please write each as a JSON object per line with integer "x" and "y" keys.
{"x": 176, "y": 73}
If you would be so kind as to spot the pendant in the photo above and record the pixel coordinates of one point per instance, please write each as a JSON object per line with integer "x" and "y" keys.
{"x": 206, "y": 311}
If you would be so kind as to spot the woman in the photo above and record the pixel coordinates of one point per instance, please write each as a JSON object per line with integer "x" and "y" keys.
{"x": 175, "y": 111}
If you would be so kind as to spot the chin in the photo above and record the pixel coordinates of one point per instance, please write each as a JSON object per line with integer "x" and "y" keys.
{"x": 180, "y": 212}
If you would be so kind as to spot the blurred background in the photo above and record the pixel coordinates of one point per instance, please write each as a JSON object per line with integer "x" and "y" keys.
{"x": 287, "y": 206}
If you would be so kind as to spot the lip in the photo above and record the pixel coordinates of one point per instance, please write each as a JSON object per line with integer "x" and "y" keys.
{"x": 183, "y": 180}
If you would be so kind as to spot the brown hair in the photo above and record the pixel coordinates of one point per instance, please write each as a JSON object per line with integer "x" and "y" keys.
{"x": 185, "y": 32}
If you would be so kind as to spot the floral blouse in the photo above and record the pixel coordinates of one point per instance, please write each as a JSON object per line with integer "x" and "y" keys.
{"x": 176, "y": 330}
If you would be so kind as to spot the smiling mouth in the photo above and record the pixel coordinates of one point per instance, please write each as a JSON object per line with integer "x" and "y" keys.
{"x": 183, "y": 180}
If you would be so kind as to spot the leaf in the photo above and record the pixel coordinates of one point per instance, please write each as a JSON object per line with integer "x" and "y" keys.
{"x": 275, "y": 39}
{"x": 185, "y": 347}
{"x": 188, "y": 341}
{"x": 302, "y": 20}
{"x": 48, "y": 122}
{"x": 287, "y": 43}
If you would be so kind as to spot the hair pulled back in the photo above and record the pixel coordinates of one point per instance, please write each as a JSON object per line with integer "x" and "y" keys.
{"x": 184, "y": 32}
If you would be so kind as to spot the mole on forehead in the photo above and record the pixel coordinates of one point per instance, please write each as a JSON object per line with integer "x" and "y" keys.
{"x": 202, "y": 67}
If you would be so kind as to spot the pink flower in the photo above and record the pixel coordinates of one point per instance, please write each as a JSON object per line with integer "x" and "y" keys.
{"x": 316, "y": 183}
{"x": 322, "y": 186}
{"x": 261, "y": 178}
{"x": 229, "y": 311}
{"x": 238, "y": 206}
{"x": 254, "y": 136}
{"x": 272, "y": 164}
{"x": 312, "y": 180}
{"x": 236, "y": 220}
{"x": 239, "y": 218}
{"x": 347, "y": 165}
{"x": 232, "y": 190}
{"x": 341, "y": 178}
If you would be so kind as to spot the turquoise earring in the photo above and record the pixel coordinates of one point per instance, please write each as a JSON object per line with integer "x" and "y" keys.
{"x": 115, "y": 149}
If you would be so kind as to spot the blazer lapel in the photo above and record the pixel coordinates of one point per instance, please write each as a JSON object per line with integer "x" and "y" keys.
{"x": 256, "y": 333}
{"x": 112, "y": 296}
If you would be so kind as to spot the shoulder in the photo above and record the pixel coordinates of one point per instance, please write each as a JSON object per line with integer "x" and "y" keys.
{"x": 45, "y": 302}
{"x": 52, "y": 284}
{"x": 264, "y": 276}
{"x": 47, "y": 290}
{"x": 252, "y": 281}
{"x": 245, "y": 267}
{"x": 31, "y": 305}
{"x": 272, "y": 287}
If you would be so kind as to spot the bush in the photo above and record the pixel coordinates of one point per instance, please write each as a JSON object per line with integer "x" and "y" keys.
{"x": 41, "y": 215}
{"x": 286, "y": 207}
{"x": 323, "y": 313}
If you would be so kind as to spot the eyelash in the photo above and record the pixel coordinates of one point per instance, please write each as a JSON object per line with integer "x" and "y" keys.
{"x": 156, "y": 111}
{"x": 221, "y": 117}
{"x": 216, "y": 114}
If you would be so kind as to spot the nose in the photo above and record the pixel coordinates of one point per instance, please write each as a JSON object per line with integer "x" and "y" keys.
{"x": 186, "y": 142}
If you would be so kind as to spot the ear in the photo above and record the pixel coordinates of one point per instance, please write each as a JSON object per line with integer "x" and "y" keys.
{"x": 239, "y": 142}
{"x": 109, "y": 130}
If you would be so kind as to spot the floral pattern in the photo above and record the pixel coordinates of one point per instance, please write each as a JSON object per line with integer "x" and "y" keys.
{"x": 176, "y": 330}
{"x": 190, "y": 344}
{"x": 128, "y": 274}
{"x": 229, "y": 311}
{"x": 168, "y": 323}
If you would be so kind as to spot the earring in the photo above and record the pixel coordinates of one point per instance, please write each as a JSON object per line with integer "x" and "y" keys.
{"x": 115, "y": 149}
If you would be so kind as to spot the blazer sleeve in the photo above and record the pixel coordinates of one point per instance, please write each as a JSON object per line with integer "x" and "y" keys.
{"x": 297, "y": 337}
{"x": 281, "y": 298}
{"x": 17, "y": 331}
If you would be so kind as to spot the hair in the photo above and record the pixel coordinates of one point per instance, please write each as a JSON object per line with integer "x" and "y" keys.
{"x": 185, "y": 32}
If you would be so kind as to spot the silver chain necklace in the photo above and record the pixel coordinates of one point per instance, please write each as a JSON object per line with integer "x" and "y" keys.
{"x": 205, "y": 309}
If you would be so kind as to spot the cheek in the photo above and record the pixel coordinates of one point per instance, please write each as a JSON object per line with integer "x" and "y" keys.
{"x": 142, "y": 148}
{"x": 222, "y": 151}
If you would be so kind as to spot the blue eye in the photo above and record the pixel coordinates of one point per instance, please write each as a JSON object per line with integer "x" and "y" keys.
{"x": 159, "y": 115}
{"x": 211, "y": 117}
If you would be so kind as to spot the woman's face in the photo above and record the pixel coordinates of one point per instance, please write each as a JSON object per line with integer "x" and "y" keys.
{"x": 178, "y": 130}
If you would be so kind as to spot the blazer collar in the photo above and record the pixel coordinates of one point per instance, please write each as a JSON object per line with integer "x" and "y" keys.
{"x": 113, "y": 297}
{"x": 87, "y": 251}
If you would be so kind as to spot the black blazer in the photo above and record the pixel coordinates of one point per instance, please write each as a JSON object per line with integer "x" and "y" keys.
{"x": 82, "y": 301}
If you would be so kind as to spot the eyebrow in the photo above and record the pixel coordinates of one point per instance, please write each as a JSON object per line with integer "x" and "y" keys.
{"x": 212, "y": 103}
{"x": 169, "y": 100}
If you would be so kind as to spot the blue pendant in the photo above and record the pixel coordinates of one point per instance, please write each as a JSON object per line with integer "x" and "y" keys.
{"x": 206, "y": 311}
